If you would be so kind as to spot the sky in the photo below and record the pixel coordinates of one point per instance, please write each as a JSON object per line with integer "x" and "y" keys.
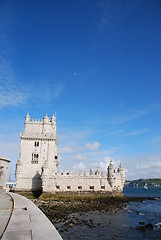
{"x": 97, "y": 65}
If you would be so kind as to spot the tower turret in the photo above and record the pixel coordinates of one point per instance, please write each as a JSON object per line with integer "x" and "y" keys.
{"x": 121, "y": 170}
{"x": 53, "y": 119}
{"x": 27, "y": 118}
{"x": 46, "y": 119}
{"x": 111, "y": 173}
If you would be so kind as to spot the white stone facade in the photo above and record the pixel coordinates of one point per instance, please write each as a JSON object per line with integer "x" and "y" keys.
{"x": 38, "y": 162}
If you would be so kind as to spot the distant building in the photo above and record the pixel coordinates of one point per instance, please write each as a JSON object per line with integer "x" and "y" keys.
{"x": 10, "y": 186}
{"x": 38, "y": 161}
{"x": 3, "y": 172}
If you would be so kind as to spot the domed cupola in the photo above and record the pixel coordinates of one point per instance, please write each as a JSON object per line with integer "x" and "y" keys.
{"x": 111, "y": 166}
{"x": 120, "y": 169}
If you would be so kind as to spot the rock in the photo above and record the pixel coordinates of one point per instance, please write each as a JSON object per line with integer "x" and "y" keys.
{"x": 71, "y": 225}
{"x": 149, "y": 226}
{"x": 145, "y": 227}
{"x": 142, "y": 223}
{"x": 140, "y": 227}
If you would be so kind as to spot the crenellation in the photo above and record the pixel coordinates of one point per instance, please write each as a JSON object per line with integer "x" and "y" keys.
{"x": 103, "y": 174}
{"x": 39, "y": 159}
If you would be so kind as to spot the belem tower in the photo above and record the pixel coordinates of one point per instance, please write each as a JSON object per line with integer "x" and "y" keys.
{"x": 38, "y": 161}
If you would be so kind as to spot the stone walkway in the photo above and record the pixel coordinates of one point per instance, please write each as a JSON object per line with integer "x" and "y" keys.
{"x": 6, "y": 205}
{"x": 27, "y": 221}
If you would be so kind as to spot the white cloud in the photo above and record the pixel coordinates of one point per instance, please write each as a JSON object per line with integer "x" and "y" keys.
{"x": 151, "y": 166}
{"x": 67, "y": 150}
{"x": 12, "y": 93}
{"x": 125, "y": 115}
{"x": 124, "y": 133}
{"x": 92, "y": 146}
{"x": 46, "y": 91}
{"x": 79, "y": 157}
{"x": 104, "y": 164}
{"x": 133, "y": 133}
{"x": 142, "y": 166}
{"x": 79, "y": 167}
{"x": 116, "y": 132}
{"x": 128, "y": 116}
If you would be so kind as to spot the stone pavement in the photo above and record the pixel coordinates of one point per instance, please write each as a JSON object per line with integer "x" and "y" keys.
{"x": 6, "y": 205}
{"x": 27, "y": 221}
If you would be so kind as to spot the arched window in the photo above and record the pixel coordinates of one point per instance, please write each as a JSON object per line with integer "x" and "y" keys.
{"x": 35, "y": 158}
{"x": 36, "y": 144}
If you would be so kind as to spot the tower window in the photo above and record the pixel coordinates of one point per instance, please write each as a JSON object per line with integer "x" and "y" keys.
{"x": 35, "y": 158}
{"x": 36, "y": 144}
{"x": 91, "y": 187}
{"x": 56, "y": 157}
{"x": 80, "y": 187}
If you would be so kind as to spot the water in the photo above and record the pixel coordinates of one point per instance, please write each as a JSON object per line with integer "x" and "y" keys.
{"x": 141, "y": 192}
{"x": 121, "y": 225}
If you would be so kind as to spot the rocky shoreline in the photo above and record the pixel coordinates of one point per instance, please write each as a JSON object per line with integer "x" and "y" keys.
{"x": 93, "y": 216}
{"x": 61, "y": 207}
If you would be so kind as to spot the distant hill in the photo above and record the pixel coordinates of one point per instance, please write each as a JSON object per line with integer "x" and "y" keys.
{"x": 141, "y": 182}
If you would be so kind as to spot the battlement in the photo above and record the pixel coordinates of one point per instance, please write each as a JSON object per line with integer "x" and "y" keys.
{"x": 80, "y": 174}
{"x": 45, "y": 120}
{"x": 36, "y": 120}
{"x": 41, "y": 127}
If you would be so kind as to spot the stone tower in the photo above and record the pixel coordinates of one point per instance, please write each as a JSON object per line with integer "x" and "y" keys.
{"x": 38, "y": 152}
{"x": 36, "y": 168}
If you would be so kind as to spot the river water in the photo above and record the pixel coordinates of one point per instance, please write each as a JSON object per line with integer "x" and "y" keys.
{"x": 122, "y": 224}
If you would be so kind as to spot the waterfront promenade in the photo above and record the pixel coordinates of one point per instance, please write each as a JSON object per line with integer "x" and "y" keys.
{"x": 22, "y": 219}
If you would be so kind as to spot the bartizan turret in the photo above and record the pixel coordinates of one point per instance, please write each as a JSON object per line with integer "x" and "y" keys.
{"x": 111, "y": 171}
{"x": 121, "y": 170}
{"x": 27, "y": 118}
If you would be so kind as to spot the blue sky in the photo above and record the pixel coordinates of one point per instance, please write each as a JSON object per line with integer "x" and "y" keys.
{"x": 97, "y": 64}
